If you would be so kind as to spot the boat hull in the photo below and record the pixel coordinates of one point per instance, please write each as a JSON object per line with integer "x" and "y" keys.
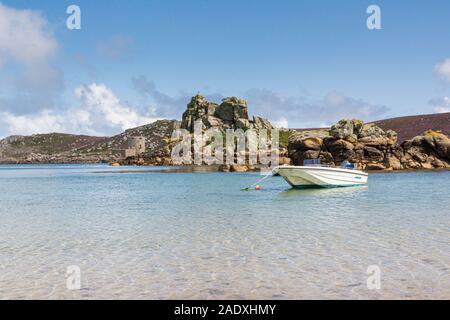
{"x": 323, "y": 177}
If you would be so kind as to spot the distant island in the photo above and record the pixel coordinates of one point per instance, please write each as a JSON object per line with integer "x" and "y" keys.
{"x": 415, "y": 142}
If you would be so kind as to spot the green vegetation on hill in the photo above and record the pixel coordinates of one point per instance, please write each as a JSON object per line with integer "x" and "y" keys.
{"x": 51, "y": 143}
{"x": 284, "y": 137}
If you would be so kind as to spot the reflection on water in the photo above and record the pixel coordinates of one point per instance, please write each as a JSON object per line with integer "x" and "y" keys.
{"x": 190, "y": 235}
{"x": 296, "y": 192}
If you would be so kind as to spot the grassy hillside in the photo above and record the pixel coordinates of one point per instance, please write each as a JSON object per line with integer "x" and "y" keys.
{"x": 17, "y": 146}
{"x": 156, "y": 135}
{"x": 409, "y": 127}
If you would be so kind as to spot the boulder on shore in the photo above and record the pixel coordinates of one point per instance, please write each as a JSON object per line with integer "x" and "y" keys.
{"x": 428, "y": 151}
{"x": 370, "y": 147}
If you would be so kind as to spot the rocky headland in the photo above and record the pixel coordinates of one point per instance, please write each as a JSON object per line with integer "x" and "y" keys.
{"x": 58, "y": 148}
{"x": 231, "y": 113}
{"x": 370, "y": 147}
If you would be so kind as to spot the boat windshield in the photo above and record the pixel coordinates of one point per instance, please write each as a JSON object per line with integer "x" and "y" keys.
{"x": 312, "y": 163}
{"x": 347, "y": 165}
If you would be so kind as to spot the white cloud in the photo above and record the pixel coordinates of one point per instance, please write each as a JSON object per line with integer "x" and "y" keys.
{"x": 441, "y": 105}
{"x": 282, "y": 111}
{"x": 281, "y": 123}
{"x": 100, "y": 113}
{"x": 442, "y": 109}
{"x": 443, "y": 69}
{"x": 168, "y": 106}
{"x": 27, "y": 49}
{"x": 308, "y": 113}
{"x": 45, "y": 121}
{"x": 23, "y": 36}
{"x": 101, "y": 101}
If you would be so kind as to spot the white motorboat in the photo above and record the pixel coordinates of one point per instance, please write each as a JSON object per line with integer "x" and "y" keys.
{"x": 313, "y": 174}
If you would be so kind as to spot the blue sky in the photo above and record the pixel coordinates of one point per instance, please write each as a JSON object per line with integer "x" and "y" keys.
{"x": 301, "y": 63}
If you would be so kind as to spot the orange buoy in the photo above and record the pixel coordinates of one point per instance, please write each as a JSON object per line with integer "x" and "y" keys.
{"x": 258, "y": 187}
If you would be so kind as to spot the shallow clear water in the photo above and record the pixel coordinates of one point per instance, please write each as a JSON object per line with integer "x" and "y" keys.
{"x": 196, "y": 235}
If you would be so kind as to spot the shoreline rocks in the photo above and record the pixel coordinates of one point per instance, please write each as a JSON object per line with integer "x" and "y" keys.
{"x": 370, "y": 147}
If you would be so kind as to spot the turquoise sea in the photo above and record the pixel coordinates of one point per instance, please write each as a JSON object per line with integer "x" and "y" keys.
{"x": 153, "y": 235}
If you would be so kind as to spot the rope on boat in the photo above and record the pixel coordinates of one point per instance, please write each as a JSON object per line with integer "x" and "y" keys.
{"x": 256, "y": 186}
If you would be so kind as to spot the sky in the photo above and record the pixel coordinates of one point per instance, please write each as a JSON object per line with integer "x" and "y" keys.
{"x": 299, "y": 63}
